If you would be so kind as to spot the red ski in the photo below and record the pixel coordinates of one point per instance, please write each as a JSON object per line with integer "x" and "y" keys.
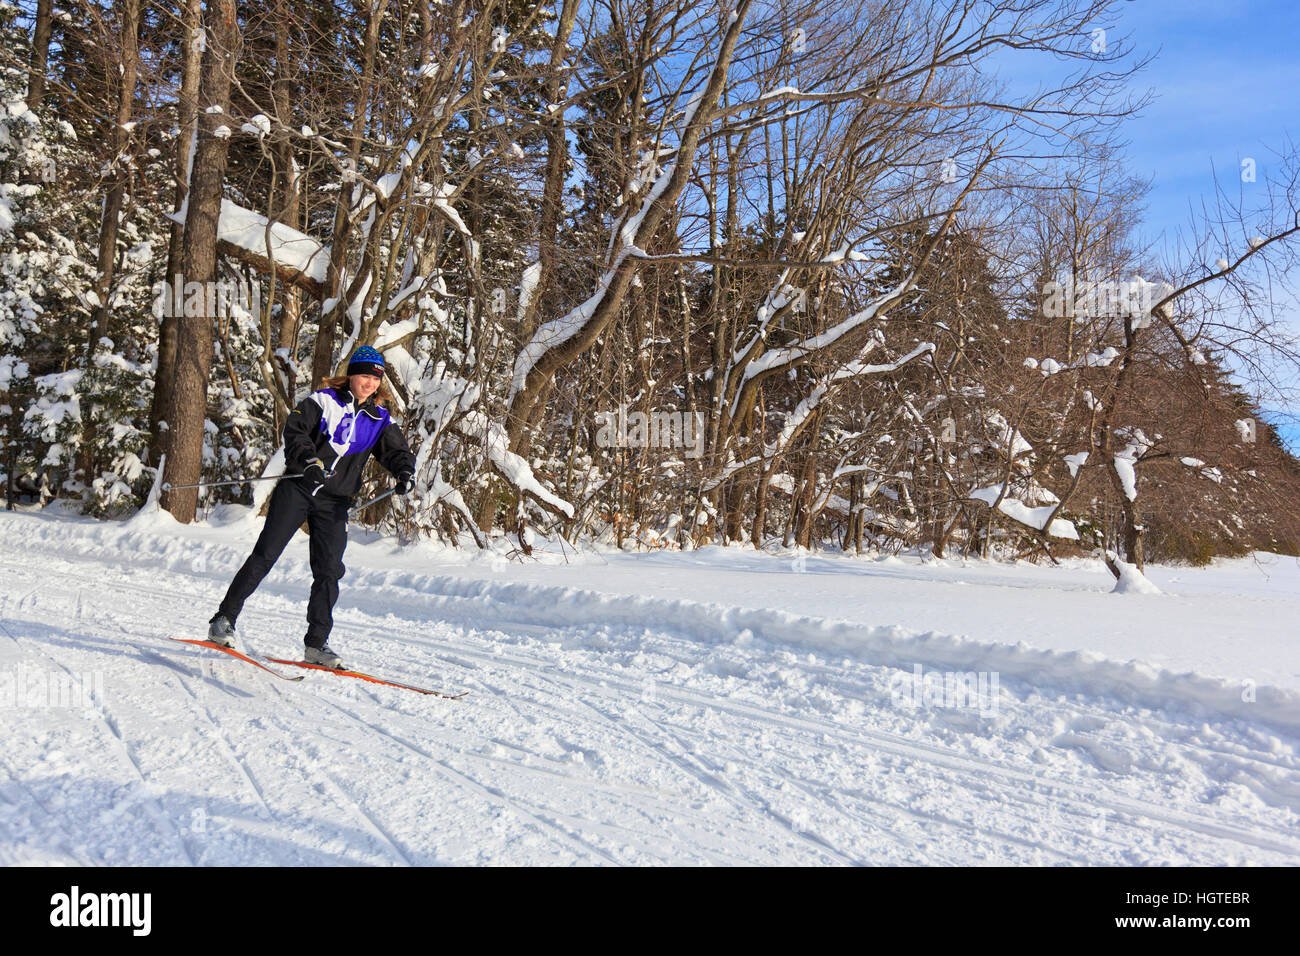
{"x": 368, "y": 677}
{"x": 234, "y": 653}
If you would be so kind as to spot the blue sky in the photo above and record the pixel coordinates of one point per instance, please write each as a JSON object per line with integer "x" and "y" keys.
{"x": 1227, "y": 84}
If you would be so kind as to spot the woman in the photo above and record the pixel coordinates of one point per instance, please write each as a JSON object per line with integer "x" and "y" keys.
{"x": 327, "y": 440}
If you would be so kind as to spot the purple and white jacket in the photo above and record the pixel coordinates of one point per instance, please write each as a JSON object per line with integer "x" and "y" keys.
{"x": 330, "y": 425}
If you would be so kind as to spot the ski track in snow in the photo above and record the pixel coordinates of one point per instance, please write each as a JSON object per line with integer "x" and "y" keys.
{"x": 599, "y": 743}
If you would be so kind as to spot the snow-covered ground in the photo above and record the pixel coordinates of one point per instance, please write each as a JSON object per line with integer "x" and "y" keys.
{"x": 721, "y": 706}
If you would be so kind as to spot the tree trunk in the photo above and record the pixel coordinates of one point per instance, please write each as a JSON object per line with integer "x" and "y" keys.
{"x": 1132, "y": 524}
{"x": 557, "y": 161}
{"x": 188, "y": 409}
{"x": 187, "y": 111}
{"x": 40, "y": 54}
{"x": 807, "y": 492}
{"x": 119, "y": 140}
{"x": 289, "y": 186}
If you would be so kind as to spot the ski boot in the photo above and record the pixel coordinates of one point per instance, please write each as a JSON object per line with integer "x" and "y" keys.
{"x": 323, "y": 656}
{"x": 221, "y": 631}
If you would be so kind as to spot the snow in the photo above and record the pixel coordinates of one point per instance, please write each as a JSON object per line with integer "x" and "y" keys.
{"x": 388, "y": 182}
{"x": 441, "y": 203}
{"x": 11, "y": 368}
{"x": 776, "y": 299}
{"x": 845, "y": 252}
{"x": 1127, "y": 476}
{"x": 1131, "y": 580}
{"x": 1006, "y": 437}
{"x": 1101, "y": 359}
{"x": 394, "y": 332}
{"x": 444, "y": 396}
{"x": 414, "y": 287}
{"x": 1127, "y": 458}
{"x": 627, "y": 233}
{"x": 780, "y": 356}
{"x": 512, "y": 467}
{"x": 247, "y": 229}
{"x": 1032, "y": 517}
{"x": 552, "y": 334}
{"x": 259, "y": 126}
{"x": 528, "y": 288}
{"x": 785, "y": 712}
{"x": 785, "y": 483}
{"x": 9, "y": 192}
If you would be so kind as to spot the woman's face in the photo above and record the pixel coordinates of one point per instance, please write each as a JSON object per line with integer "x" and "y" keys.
{"x": 363, "y": 386}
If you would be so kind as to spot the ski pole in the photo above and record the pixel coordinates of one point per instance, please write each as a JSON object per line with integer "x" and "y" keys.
{"x": 168, "y": 486}
{"x": 366, "y": 504}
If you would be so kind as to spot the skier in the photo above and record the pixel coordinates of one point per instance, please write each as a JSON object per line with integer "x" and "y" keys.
{"x": 328, "y": 439}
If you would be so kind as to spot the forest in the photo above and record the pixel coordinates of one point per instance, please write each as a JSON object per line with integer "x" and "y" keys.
{"x": 865, "y": 275}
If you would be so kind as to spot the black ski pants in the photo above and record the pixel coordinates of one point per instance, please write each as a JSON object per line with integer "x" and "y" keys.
{"x": 327, "y": 521}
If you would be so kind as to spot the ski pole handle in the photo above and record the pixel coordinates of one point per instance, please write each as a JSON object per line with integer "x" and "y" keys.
{"x": 168, "y": 486}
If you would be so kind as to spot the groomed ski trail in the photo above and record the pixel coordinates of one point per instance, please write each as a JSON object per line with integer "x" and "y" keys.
{"x": 597, "y": 743}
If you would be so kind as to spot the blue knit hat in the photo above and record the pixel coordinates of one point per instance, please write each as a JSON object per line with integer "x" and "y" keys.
{"x": 366, "y": 361}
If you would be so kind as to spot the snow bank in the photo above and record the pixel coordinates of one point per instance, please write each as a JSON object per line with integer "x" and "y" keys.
{"x": 1131, "y": 580}
{"x": 1065, "y": 672}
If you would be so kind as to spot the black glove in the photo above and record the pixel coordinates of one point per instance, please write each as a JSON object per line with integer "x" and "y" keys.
{"x": 314, "y": 475}
{"x": 405, "y": 483}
